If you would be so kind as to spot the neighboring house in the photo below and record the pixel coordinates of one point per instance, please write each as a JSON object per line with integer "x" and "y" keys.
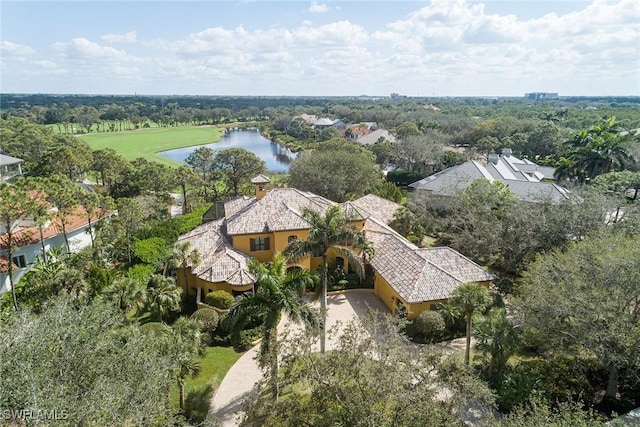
{"x": 523, "y": 177}
{"x": 376, "y": 136}
{"x": 10, "y": 167}
{"x": 257, "y": 227}
{"x": 308, "y": 118}
{"x": 324, "y": 123}
{"x": 28, "y": 247}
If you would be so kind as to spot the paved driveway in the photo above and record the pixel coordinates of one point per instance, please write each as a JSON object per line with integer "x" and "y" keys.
{"x": 238, "y": 384}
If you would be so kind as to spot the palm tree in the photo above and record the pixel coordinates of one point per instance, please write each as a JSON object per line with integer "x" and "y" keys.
{"x": 278, "y": 292}
{"x": 470, "y": 297}
{"x": 599, "y": 150}
{"x": 498, "y": 337}
{"x": 163, "y": 296}
{"x": 330, "y": 231}
{"x": 182, "y": 257}
{"x": 127, "y": 294}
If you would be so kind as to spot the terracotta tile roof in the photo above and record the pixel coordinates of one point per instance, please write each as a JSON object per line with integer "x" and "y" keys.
{"x": 219, "y": 261}
{"x": 374, "y": 206}
{"x": 279, "y": 209}
{"x": 260, "y": 179}
{"x": 29, "y": 235}
{"x": 419, "y": 275}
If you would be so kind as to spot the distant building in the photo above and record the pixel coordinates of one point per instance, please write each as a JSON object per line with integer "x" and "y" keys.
{"x": 396, "y": 96}
{"x": 541, "y": 95}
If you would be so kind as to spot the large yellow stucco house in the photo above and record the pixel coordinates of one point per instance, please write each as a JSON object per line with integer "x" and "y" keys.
{"x": 406, "y": 277}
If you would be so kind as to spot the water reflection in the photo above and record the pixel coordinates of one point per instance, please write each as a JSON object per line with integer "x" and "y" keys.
{"x": 277, "y": 157}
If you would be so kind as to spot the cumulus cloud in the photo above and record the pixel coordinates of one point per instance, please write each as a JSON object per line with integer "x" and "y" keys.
{"x": 129, "y": 37}
{"x": 451, "y": 44}
{"x": 316, "y": 7}
{"x": 15, "y": 50}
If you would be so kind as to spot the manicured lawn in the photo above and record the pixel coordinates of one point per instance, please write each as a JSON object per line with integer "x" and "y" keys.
{"x": 147, "y": 142}
{"x": 199, "y": 391}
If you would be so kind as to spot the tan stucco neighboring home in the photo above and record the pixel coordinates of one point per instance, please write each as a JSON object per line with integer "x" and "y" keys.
{"x": 257, "y": 227}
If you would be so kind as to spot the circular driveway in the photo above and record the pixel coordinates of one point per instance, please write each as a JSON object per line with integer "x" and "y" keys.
{"x": 238, "y": 385}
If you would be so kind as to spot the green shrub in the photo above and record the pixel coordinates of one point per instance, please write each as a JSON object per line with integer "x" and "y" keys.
{"x": 219, "y": 299}
{"x": 153, "y": 250}
{"x": 430, "y": 324}
{"x": 244, "y": 340}
{"x": 141, "y": 272}
{"x": 208, "y": 317}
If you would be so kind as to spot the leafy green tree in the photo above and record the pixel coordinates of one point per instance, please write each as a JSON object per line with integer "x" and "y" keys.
{"x": 15, "y": 203}
{"x": 389, "y": 191}
{"x": 587, "y": 296}
{"x": 80, "y": 362}
{"x": 337, "y": 169}
{"x": 369, "y": 379}
{"x": 278, "y": 292}
{"x": 68, "y": 156}
{"x": 130, "y": 217}
{"x": 420, "y": 153}
{"x": 23, "y": 139}
{"x": 407, "y": 129}
{"x": 330, "y": 231}
{"x": 238, "y": 166}
{"x": 471, "y": 298}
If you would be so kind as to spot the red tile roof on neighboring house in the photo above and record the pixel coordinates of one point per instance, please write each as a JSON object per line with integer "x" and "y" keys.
{"x": 30, "y": 235}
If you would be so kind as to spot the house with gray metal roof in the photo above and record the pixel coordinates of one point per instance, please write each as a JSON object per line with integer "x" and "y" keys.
{"x": 523, "y": 177}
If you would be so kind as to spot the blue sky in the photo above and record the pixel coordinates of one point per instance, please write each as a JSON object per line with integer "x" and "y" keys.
{"x": 437, "y": 47}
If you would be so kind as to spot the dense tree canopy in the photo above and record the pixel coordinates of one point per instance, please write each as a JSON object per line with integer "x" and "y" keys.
{"x": 588, "y": 298}
{"x": 338, "y": 170}
{"x": 83, "y": 364}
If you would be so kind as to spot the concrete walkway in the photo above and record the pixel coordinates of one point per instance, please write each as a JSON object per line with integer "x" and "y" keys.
{"x": 239, "y": 383}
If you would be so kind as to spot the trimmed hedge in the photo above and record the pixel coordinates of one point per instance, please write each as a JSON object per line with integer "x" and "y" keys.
{"x": 208, "y": 317}
{"x": 430, "y": 324}
{"x": 219, "y": 299}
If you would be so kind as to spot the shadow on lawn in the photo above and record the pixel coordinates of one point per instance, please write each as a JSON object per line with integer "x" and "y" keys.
{"x": 197, "y": 403}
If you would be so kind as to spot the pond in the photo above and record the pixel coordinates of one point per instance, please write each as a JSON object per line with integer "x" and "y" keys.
{"x": 277, "y": 157}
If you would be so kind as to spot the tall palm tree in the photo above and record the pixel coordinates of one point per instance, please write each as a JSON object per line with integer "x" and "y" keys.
{"x": 497, "y": 337}
{"x": 278, "y": 292}
{"x": 163, "y": 296}
{"x": 330, "y": 231}
{"x": 188, "y": 342}
{"x": 599, "y": 150}
{"x": 470, "y": 297}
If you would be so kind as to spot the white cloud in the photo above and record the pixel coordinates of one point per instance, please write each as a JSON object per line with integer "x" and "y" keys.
{"x": 129, "y": 37}
{"x": 15, "y": 50}
{"x": 446, "y": 46}
{"x": 316, "y": 7}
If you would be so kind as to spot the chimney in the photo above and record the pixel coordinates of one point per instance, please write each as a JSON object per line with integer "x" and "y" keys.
{"x": 507, "y": 151}
{"x": 261, "y": 183}
{"x": 493, "y": 158}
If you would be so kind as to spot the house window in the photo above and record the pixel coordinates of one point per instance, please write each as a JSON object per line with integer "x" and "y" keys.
{"x": 259, "y": 244}
{"x": 292, "y": 238}
{"x": 20, "y": 261}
